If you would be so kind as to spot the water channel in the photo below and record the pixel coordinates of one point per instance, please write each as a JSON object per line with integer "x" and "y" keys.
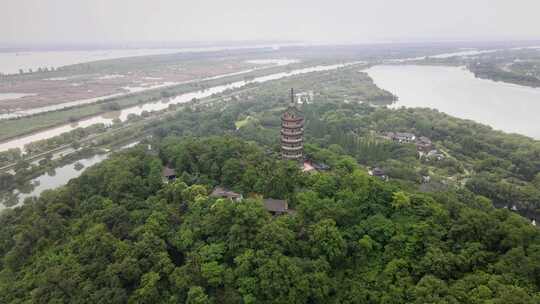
{"x": 122, "y": 115}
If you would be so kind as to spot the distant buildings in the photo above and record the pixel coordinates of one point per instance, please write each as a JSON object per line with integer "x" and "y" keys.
{"x": 292, "y": 132}
{"x": 423, "y": 144}
{"x": 434, "y": 155}
{"x": 305, "y": 97}
{"x": 401, "y": 137}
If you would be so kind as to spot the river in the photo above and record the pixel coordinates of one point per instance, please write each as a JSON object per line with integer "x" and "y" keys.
{"x": 122, "y": 115}
{"x": 455, "y": 91}
{"x": 132, "y": 90}
{"x": 12, "y": 62}
{"x": 62, "y": 175}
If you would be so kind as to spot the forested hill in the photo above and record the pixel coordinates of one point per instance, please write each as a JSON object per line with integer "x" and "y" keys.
{"x": 118, "y": 234}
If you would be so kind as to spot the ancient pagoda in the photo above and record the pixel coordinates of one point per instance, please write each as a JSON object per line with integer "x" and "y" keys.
{"x": 292, "y": 132}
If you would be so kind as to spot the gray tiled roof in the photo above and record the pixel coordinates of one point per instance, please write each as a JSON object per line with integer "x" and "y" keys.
{"x": 275, "y": 205}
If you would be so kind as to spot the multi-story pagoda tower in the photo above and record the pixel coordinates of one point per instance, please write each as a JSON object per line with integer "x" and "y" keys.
{"x": 292, "y": 132}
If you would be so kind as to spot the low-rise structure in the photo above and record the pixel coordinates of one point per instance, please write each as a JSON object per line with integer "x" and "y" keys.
{"x": 435, "y": 155}
{"x": 311, "y": 166}
{"x": 308, "y": 167}
{"x": 378, "y": 172}
{"x": 424, "y": 144}
{"x": 305, "y": 97}
{"x": 221, "y": 192}
{"x": 277, "y": 206}
{"x": 401, "y": 137}
{"x": 273, "y": 206}
{"x": 169, "y": 174}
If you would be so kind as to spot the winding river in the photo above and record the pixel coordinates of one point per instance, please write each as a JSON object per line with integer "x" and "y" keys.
{"x": 455, "y": 91}
{"x": 122, "y": 115}
{"x": 133, "y": 90}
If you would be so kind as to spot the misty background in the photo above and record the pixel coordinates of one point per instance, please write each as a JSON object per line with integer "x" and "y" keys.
{"x": 345, "y": 21}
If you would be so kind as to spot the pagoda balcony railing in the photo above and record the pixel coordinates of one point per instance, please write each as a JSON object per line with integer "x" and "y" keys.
{"x": 294, "y": 133}
{"x": 295, "y": 156}
{"x": 296, "y": 119}
{"x": 300, "y": 147}
{"x": 291, "y": 140}
{"x": 292, "y": 125}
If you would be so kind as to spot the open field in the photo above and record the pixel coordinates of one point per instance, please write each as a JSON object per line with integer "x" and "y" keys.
{"x": 110, "y": 77}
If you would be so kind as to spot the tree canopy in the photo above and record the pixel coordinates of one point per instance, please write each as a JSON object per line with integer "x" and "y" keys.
{"x": 118, "y": 234}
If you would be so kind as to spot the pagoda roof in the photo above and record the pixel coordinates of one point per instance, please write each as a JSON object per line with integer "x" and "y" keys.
{"x": 293, "y": 110}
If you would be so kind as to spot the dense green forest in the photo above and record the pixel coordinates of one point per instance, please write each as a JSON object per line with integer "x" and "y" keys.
{"x": 119, "y": 234}
{"x": 490, "y": 70}
{"x": 503, "y": 167}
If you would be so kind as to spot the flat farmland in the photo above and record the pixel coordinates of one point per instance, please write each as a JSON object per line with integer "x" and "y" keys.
{"x": 102, "y": 79}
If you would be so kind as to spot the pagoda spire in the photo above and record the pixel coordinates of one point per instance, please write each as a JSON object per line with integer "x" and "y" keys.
{"x": 292, "y": 97}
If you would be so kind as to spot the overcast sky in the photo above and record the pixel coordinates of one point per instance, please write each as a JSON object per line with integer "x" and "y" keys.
{"x": 42, "y": 21}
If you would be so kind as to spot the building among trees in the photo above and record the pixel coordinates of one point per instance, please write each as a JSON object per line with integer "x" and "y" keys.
{"x": 221, "y": 192}
{"x": 292, "y": 132}
{"x": 277, "y": 206}
{"x": 169, "y": 174}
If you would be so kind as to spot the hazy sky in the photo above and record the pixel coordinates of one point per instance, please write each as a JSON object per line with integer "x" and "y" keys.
{"x": 307, "y": 20}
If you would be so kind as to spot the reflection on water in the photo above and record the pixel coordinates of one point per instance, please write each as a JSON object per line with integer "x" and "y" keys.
{"x": 54, "y": 178}
{"x": 158, "y": 105}
{"x": 455, "y": 91}
{"x": 59, "y": 178}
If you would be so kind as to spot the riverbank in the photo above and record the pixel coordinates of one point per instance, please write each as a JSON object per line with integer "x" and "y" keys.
{"x": 339, "y": 88}
{"x": 183, "y": 95}
{"x": 14, "y": 128}
{"x": 457, "y": 92}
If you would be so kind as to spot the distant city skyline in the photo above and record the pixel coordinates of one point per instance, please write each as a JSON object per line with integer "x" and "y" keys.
{"x": 142, "y": 21}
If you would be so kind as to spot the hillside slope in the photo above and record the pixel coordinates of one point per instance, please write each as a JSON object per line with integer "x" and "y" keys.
{"x": 118, "y": 234}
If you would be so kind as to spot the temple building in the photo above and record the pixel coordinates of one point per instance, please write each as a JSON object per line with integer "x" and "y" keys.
{"x": 292, "y": 132}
